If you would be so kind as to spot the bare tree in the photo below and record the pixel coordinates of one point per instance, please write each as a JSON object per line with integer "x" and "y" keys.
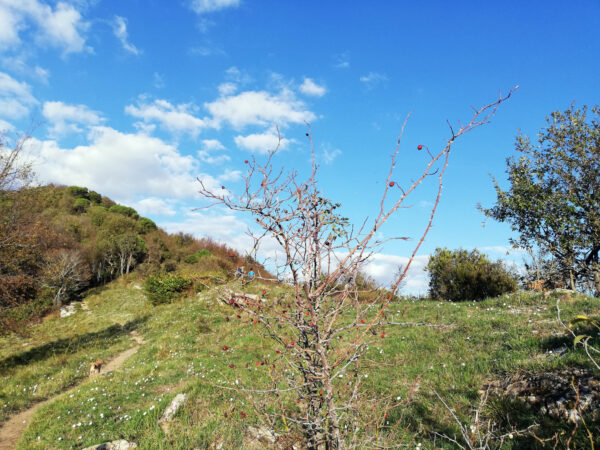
{"x": 65, "y": 274}
{"x": 323, "y": 327}
{"x": 14, "y": 171}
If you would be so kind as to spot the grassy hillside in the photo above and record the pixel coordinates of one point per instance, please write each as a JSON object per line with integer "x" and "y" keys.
{"x": 451, "y": 348}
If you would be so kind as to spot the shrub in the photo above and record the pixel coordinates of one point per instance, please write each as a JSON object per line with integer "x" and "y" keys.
{"x": 460, "y": 275}
{"x": 146, "y": 225}
{"x": 78, "y": 192}
{"x": 164, "y": 288}
{"x": 195, "y": 257}
{"x": 94, "y": 197}
{"x": 125, "y": 210}
{"x": 97, "y": 214}
{"x": 80, "y": 205}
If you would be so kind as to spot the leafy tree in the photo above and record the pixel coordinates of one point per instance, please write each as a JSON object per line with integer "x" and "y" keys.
{"x": 78, "y": 192}
{"x": 460, "y": 275}
{"x": 553, "y": 199}
{"x": 81, "y": 204}
{"x": 146, "y": 225}
{"x": 125, "y": 210}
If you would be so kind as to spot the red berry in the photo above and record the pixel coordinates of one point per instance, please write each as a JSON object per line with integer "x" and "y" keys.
{"x": 392, "y": 184}
{"x": 246, "y": 161}
{"x": 231, "y": 365}
{"x": 362, "y": 320}
{"x": 297, "y": 400}
{"x": 292, "y": 344}
{"x": 222, "y": 187}
{"x": 243, "y": 415}
{"x": 264, "y": 292}
{"x": 239, "y": 317}
{"x": 255, "y": 322}
{"x": 383, "y": 334}
{"x": 419, "y": 147}
{"x": 278, "y": 352}
{"x": 225, "y": 348}
{"x": 257, "y": 363}
{"x": 386, "y": 415}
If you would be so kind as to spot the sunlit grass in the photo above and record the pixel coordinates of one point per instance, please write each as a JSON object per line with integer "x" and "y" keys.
{"x": 452, "y": 348}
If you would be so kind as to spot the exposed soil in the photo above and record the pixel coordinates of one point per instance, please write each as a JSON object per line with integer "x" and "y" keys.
{"x": 13, "y": 429}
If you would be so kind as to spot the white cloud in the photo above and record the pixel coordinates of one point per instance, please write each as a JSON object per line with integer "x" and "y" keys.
{"x": 261, "y": 143}
{"x": 120, "y": 30}
{"x": 61, "y": 27}
{"x": 207, "y": 6}
{"x": 9, "y": 27}
{"x": 5, "y": 126}
{"x": 154, "y": 206}
{"x": 259, "y": 108}
{"x": 212, "y": 144}
{"x": 65, "y": 118}
{"x": 19, "y": 64}
{"x": 206, "y": 153}
{"x": 174, "y": 118}
{"x": 158, "y": 80}
{"x": 329, "y": 154}
{"x": 373, "y": 78}
{"x": 209, "y": 158}
{"x": 341, "y": 61}
{"x": 122, "y": 166}
{"x": 15, "y": 97}
{"x": 384, "y": 267}
{"x": 227, "y": 88}
{"x": 237, "y": 76}
{"x": 309, "y": 87}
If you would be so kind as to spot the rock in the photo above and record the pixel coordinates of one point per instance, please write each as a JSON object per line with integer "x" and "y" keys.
{"x": 171, "y": 410}
{"x": 67, "y": 310}
{"x": 262, "y": 437}
{"x": 259, "y": 437}
{"x": 568, "y": 394}
{"x": 120, "y": 444}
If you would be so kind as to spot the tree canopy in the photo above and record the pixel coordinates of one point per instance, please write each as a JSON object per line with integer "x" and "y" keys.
{"x": 553, "y": 198}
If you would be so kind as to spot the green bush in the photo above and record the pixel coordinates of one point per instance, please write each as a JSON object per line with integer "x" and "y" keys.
{"x": 97, "y": 214}
{"x": 125, "y": 210}
{"x": 165, "y": 288}
{"x": 146, "y": 225}
{"x": 94, "y": 197}
{"x": 460, "y": 275}
{"x": 81, "y": 205}
{"x": 78, "y": 192}
{"x": 195, "y": 257}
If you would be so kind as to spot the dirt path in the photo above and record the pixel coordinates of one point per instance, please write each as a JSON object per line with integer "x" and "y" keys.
{"x": 13, "y": 429}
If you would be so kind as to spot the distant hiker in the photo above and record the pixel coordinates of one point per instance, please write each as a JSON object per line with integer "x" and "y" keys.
{"x": 251, "y": 274}
{"x": 240, "y": 272}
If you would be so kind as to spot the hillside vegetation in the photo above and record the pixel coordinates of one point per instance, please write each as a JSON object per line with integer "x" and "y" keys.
{"x": 56, "y": 242}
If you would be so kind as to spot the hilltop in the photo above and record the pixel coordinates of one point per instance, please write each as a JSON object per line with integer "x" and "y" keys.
{"x": 57, "y": 242}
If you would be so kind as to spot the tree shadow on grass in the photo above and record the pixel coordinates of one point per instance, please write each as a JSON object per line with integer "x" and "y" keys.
{"x": 71, "y": 345}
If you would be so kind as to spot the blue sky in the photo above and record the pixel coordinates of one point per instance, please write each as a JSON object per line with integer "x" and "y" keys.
{"x": 137, "y": 98}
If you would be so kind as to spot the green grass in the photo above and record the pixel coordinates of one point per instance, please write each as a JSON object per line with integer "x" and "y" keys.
{"x": 468, "y": 344}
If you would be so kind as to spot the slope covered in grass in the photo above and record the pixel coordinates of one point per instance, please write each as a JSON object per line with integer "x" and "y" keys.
{"x": 450, "y": 348}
